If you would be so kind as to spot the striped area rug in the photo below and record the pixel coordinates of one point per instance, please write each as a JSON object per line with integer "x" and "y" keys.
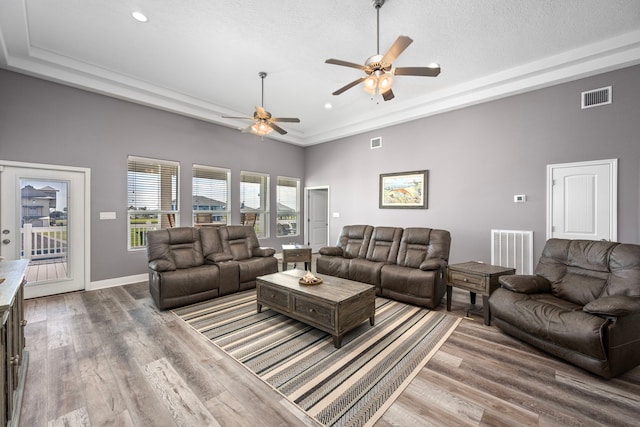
{"x": 350, "y": 386}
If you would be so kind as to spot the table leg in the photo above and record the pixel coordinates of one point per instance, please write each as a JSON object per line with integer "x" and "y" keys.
{"x": 472, "y": 297}
{"x": 337, "y": 341}
{"x": 449, "y": 292}
{"x": 259, "y": 308}
{"x": 372, "y": 320}
{"x": 487, "y": 311}
{"x": 284, "y": 265}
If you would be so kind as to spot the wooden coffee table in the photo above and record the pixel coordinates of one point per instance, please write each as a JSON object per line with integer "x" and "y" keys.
{"x": 335, "y": 306}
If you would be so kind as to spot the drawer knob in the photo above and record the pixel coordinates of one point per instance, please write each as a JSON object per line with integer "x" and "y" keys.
{"x": 465, "y": 280}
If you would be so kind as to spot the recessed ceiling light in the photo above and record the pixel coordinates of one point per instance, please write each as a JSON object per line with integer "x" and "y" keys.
{"x": 139, "y": 16}
{"x": 328, "y": 106}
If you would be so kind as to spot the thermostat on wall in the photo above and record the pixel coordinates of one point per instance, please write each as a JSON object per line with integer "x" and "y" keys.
{"x": 519, "y": 198}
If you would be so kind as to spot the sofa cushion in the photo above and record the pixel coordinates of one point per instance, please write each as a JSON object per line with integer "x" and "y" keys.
{"x": 414, "y": 247}
{"x": 552, "y": 319}
{"x": 624, "y": 263}
{"x": 236, "y": 240}
{"x": 384, "y": 244}
{"x": 174, "y": 248}
{"x": 354, "y": 240}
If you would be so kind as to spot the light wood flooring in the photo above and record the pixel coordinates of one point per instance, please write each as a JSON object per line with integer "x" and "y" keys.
{"x": 111, "y": 358}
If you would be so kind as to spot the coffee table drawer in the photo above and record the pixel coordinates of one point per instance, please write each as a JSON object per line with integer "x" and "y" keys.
{"x": 312, "y": 310}
{"x": 274, "y": 297}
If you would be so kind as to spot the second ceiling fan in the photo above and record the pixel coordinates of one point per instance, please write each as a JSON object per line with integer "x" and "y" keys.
{"x": 378, "y": 68}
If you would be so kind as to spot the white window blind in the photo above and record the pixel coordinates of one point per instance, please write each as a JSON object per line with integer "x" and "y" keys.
{"x": 152, "y": 189}
{"x": 210, "y": 190}
{"x": 254, "y": 198}
{"x": 288, "y": 205}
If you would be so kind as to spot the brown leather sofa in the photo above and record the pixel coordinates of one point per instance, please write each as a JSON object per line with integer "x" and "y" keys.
{"x": 407, "y": 265}
{"x": 189, "y": 265}
{"x": 582, "y": 304}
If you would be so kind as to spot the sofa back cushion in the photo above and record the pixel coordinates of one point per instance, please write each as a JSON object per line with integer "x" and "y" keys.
{"x": 577, "y": 269}
{"x": 354, "y": 240}
{"x": 175, "y": 248}
{"x": 239, "y": 241}
{"x": 624, "y": 263}
{"x": 419, "y": 244}
{"x": 384, "y": 244}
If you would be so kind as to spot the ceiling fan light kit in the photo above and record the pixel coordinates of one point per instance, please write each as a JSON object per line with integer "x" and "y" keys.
{"x": 378, "y": 68}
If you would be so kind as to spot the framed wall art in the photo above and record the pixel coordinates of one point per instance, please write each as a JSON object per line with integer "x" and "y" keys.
{"x": 404, "y": 190}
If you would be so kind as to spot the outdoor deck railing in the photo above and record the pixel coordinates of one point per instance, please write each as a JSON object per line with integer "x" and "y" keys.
{"x": 43, "y": 242}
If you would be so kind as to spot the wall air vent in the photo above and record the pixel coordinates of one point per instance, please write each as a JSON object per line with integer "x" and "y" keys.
{"x": 376, "y": 142}
{"x": 596, "y": 97}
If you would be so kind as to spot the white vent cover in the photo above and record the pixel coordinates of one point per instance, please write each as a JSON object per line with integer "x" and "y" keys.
{"x": 513, "y": 248}
{"x": 376, "y": 142}
{"x": 596, "y": 97}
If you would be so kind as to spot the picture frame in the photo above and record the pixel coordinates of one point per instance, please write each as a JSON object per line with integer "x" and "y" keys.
{"x": 404, "y": 190}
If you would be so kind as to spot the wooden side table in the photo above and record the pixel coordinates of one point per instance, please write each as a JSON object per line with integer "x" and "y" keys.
{"x": 475, "y": 277}
{"x": 296, "y": 254}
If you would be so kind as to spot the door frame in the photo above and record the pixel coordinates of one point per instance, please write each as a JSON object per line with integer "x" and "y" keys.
{"x": 306, "y": 210}
{"x": 86, "y": 204}
{"x": 613, "y": 191}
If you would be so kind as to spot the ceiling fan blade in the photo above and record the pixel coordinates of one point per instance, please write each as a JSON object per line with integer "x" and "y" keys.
{"x": 277, "y": 128}
{"x": 417, "y": 71}
{"x": 396, "y": 49}
{"x": 285, "y": 119}
{"x": 345, "y": 64}
{"x": 262, "y": 113}
{"x": 234, "y": 117}
{"x": 388, "y": 95}
{"x": 349, "y": 86}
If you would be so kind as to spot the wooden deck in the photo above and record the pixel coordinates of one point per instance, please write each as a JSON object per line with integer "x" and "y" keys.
{"x": 50, "y": 270}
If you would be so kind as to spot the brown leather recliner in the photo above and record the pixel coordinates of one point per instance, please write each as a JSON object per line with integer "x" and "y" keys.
{"x": 582, "y": 304}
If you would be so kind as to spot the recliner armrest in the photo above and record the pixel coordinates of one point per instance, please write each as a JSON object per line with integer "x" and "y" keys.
{"x": 263, "y": 251}
{"x": 219, "y": 257}
{"x": 162, "y": 265}
{"x": 433, "y": 264}
{"x": 525, "y": 284}
{"x": 331, "y": 251}
{"x": 615, "y": 306}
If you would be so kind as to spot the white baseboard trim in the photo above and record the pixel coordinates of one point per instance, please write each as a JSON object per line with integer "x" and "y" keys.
{"x": 118, "y": 281}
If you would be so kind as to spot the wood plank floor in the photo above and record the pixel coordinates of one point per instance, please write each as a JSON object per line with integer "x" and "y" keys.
{"x": 111, "y": 358}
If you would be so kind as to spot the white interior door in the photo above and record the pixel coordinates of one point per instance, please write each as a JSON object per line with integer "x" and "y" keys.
{"x": 317, "y": 212}
{"x": 43, "y": 218}
{"x": 582, "y": 200}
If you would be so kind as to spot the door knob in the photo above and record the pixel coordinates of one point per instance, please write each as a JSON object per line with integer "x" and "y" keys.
{"x": 6, "y": 241}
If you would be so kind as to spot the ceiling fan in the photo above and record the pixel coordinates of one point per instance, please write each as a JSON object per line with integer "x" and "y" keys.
{"x": 378, "y": 68}
{"x": 263, "y": 121}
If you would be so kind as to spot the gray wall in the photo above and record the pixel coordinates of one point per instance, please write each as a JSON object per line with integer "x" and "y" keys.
{"x": 477, "y": 157}
{"x": 44, "y": 122}
{"x": 480, "y": 157}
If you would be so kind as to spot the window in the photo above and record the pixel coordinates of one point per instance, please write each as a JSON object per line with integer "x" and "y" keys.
{"x": 254, "y": 200}
{"x": 288, "y": 205}
{"x": 152, "y": 188}
{"x": 210, "y": 192}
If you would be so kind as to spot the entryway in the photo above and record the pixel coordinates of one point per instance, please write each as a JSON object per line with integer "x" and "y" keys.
{"x": 44, "y": 218}
{"x": 317, "y": 213}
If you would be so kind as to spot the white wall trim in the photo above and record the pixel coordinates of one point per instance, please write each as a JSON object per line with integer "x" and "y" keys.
{"x": 117, "y": 281}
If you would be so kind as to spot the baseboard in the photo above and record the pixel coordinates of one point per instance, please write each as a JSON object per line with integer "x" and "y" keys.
{"x": 118, "y": 281}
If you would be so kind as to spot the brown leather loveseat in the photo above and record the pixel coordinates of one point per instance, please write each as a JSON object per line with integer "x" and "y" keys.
{"x": 189, "y": 265}
{"x": 582, "y": 304}
{"x": 403, "y": 264}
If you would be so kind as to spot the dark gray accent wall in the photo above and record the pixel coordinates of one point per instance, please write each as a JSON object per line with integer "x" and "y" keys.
{"x": 481, "y": 156}
{"x": 44, "y": 122}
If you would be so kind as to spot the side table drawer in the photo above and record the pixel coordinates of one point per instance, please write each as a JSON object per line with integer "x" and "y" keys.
{"x": 313, "y": 311}
{"x": 468, "y": 281}
{"x": 297, "y": 256}
{"x": 274, "y": 297}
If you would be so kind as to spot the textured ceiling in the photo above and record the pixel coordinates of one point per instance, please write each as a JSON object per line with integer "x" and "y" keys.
{"x": 201, "y": 58}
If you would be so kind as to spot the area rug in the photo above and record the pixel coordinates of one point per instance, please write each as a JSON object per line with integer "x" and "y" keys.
{"x": 350, "y": 386}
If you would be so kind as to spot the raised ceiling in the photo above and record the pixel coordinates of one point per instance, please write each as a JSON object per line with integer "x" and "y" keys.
{"x": 201, "y": 58}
